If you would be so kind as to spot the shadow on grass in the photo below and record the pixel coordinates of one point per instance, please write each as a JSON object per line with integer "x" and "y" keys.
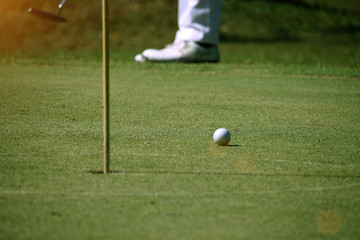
{"x": 124, "y": 172}
{"x": 233, "y": 38}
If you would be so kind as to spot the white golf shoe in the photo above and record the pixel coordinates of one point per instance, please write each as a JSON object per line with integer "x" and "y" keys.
{"x": 186, "y": 51}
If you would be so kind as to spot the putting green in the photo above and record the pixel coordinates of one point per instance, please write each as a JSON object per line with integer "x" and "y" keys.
{"x": 287, "y": 88}
{"x": 292, "y": 172}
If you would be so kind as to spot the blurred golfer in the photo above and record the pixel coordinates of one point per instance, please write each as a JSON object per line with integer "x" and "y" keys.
{"x": 197, "y": 37}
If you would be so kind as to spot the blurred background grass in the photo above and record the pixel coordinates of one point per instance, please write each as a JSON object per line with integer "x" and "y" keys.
{"x": 138, "y": 24}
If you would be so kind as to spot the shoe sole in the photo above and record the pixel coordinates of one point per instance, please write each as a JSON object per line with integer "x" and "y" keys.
{"x": 143, "y": 59}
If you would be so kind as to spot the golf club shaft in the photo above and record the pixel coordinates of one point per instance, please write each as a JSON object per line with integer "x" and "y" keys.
{"x": 60, "y": 7}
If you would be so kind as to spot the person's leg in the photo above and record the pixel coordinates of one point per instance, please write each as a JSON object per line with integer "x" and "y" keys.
{"x": 199, "y": 21}
{"x": 197, "y": 37}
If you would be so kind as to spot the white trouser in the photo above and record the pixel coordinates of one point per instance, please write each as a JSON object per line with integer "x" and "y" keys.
{"x": 199, "y": 21}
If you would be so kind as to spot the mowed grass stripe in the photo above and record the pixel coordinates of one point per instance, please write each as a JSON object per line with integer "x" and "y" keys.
{"x": 184, "y": 194}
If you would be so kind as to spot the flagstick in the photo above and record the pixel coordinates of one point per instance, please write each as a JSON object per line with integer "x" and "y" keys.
{"x": 105, "y": 32}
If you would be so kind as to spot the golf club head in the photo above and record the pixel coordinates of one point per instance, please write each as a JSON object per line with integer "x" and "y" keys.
{"x": 46, "y": 15}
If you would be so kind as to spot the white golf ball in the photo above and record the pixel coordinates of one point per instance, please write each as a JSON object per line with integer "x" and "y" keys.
{"x": 222, "y": 137}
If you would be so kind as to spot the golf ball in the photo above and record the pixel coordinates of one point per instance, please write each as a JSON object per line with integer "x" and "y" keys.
{"x": 222, "y": 136}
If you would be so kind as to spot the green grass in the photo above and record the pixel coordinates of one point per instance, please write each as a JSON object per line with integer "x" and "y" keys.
{"x": 295, "y": 130}
{"x": 287, "y": 88}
